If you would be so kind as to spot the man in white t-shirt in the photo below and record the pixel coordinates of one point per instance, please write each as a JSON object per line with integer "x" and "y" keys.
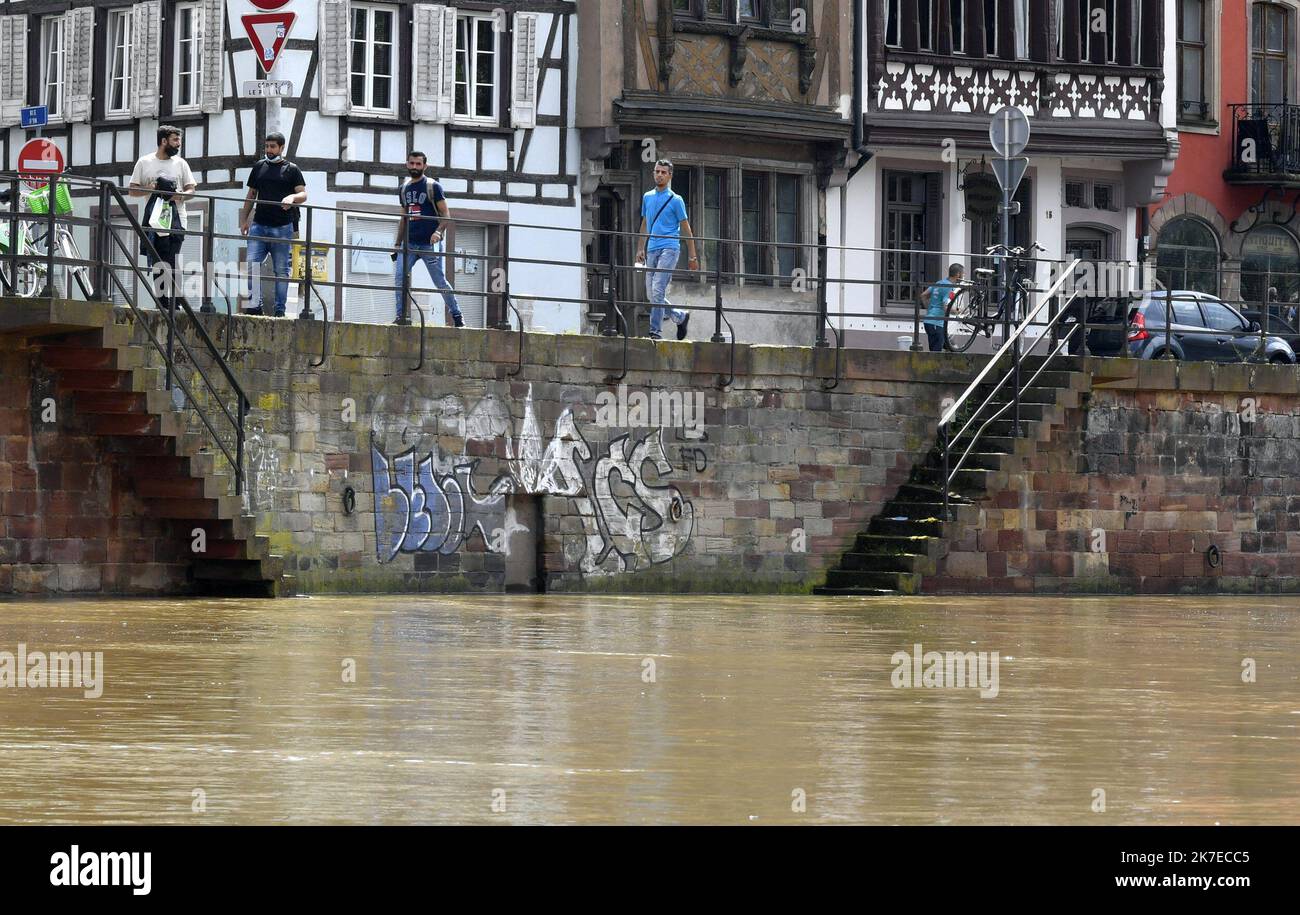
{"x": 166, "y": 180}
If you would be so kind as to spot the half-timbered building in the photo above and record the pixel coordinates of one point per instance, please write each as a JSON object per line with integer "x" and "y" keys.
{"x": 751, "y": 100}
{"x": 1095, "y": 78}
{"x": 484, "y": 88}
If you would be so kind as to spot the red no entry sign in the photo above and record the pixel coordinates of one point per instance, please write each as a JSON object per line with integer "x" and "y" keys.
{"x": 38, "y": 160}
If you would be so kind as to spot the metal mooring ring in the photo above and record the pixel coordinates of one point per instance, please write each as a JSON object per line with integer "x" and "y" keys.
{"x": 1213, "y": 556}
{"x": 349, "y": 500}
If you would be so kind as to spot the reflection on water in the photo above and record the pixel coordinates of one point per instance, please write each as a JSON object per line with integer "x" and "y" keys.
{"x": 655, "y": 709}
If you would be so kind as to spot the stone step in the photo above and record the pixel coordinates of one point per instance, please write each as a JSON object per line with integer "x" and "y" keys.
{"x": 220, "y": 508}
{"x": 888, "y": 562}
{"x": 906, "y": 528}
{"x": 966, "y": 481}
{"x": 234, "y": 548}
{"x": 75, "y": 380}
{"x": 110, "y": 336}
{"x": 888, "y": 543}
{"x": 900, "y": 582}
{"x": 124, "y": 424}
{"x": 982, "y": 459}
{"x": 210, "y": 486}
{"x": 919, "y": 492}
{"x": 246, "y": 570}
{"x": 87, "y": 402}
{"x": 85, "y": 357}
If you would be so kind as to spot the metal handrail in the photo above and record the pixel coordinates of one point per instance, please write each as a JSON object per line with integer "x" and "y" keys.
{"x": 237, "y": 422}
{"x": 1064, "y": 341}
{"x": 1048, "y": 294}
{"x": 839, "y": 350}
{"x": 731, "y": 377}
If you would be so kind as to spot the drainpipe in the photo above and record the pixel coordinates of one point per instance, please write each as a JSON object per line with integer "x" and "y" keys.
{"x": 859, "y": 146}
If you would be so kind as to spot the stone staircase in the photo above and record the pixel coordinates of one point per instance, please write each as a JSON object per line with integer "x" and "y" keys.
{"x": 121, "y": 399}
{"x": 908, "y": 539}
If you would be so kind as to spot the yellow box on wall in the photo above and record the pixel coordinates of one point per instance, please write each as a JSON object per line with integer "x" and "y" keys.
{"x": 320, "y": 271}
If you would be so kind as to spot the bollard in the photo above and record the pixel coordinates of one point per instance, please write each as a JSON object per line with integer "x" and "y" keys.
{"x": 306, "y": 314}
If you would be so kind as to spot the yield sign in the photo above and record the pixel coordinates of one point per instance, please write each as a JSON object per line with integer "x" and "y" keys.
{"x": 1009, "y": 172}
{"x": 268, "y": 32}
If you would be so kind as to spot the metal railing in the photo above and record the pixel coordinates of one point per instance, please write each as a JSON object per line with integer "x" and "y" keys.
{"x": 160, "y": 286}
{"x": 1265, "y": 140}
{"x": 1012, "y": 346}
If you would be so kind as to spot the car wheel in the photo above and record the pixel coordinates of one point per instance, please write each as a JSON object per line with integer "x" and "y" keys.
{"x": 1279, "y": 359}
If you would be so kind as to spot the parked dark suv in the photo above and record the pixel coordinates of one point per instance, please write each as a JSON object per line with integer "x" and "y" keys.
{"x": 1204, "y": 328}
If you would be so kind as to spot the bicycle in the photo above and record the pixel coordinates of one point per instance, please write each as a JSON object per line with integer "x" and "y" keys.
{"x": 30, "y": 278}
{"x": 977, "y": 307}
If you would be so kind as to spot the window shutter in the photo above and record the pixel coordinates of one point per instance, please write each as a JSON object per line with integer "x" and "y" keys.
{"x": 447, "y": 100}
{"x": 13, "y": 69}
{"x": 332, "y": 27}
{"x": 214, "y": 41}
{"x": 146, "y": 45}
{"x": 523, "y": 100}
{"x": 78, "y": 29}
{"x": 934, "y": 265}
{"x": 434, "y": 73}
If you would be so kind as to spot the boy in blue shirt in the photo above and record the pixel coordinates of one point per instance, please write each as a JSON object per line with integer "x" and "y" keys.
{"x": 938, "y": 296}
{"x": 663, "y": 218}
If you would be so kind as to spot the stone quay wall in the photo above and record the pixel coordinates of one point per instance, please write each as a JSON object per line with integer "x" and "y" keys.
{"x": 476, "y": 472}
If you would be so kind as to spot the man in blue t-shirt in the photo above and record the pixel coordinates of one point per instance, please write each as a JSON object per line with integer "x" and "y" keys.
{"x": 938, "y": 296}
{"x": 423, "y": 202}
{"x": 663, "y": 218}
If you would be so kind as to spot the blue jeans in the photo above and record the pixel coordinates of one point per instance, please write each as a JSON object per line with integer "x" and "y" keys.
{"x": 433, "y": 262}
{"x": 273, "y": 240}
{"x": 659, "y": 273}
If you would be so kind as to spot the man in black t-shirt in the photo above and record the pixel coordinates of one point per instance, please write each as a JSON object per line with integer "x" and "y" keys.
{"x": 277, "y": 186}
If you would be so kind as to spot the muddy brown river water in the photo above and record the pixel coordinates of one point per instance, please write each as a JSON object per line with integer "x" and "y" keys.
{"x": 649, "y": 709}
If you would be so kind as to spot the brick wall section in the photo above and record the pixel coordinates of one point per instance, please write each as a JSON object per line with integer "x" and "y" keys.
{"x": 779, "y": 453}
{"x": 68, "y": 520}
{"x": 1131, "y": 491}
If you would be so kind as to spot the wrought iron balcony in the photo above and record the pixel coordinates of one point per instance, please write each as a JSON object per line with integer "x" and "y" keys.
{"x": 1265, "y": 145}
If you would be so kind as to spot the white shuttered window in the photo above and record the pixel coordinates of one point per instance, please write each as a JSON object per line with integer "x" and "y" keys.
{"x": 188, "y": 89}
{"x": 373, "y": 64}
{"x": 477, "y": 66}
{"x": 118, "y": 101}
{"x": 52, "y": 61}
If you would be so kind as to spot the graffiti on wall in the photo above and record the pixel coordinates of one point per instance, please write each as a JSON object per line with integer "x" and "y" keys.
{"x": 632, "y": 517}
{"x": 263, "y": 467}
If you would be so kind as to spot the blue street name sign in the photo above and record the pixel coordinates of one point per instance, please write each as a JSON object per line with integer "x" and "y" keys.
{"x": 36, "y": 116}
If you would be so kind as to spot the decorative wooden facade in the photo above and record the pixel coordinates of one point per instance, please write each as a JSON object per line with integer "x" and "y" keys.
{"x": 751, "y": 101}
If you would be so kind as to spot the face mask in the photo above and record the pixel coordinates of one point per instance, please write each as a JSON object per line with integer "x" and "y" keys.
{"x": 416, "y": 172}
{"x": 275, "y": 158}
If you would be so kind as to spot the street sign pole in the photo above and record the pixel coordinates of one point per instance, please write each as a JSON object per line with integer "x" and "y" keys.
{"x": 1009, "y": 135}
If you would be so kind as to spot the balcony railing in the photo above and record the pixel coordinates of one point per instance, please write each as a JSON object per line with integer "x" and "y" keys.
{"x": 1265, "y": 143}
